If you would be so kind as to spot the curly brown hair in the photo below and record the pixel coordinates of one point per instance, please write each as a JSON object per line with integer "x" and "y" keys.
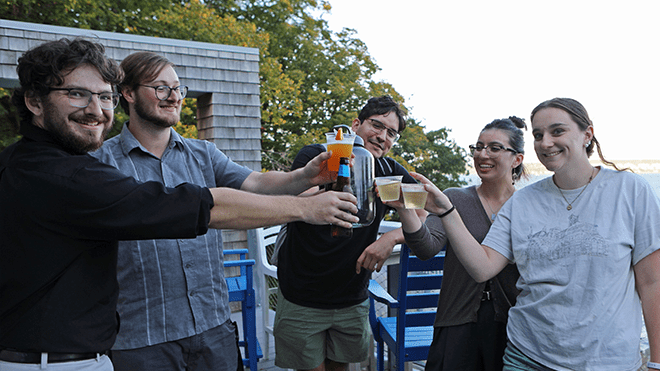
{"x": 46, "y": 66}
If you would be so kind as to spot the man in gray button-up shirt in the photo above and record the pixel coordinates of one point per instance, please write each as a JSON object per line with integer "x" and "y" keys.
{"x": 173, "y": 299}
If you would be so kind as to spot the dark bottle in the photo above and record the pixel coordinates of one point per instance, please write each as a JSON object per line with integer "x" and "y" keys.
{"x": 343, "y": 185}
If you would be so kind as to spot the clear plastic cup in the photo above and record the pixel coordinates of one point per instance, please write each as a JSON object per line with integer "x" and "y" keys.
{"x": 339, "y": 148}
{"x": 414, "y": 195}
{"x": 388, "y": 187}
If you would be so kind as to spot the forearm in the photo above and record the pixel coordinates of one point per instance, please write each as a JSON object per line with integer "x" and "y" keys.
{"x": 647, "y": 280}
{"x": 234, "y": 209}
{"x": 428, "y": 240}
{"x": 277, "y": 182}
{"x": 409, "y": 220}
{"x": 651, "y": 309}
{"x": 481, "y": 262}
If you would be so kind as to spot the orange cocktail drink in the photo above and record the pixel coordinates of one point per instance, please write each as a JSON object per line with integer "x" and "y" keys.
{"x": 341, "y": 145}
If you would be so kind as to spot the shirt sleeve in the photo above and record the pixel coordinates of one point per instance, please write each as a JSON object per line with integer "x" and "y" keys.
{"x": 647, "y": 220}
{"x": 429, "y": 240}
{"x": 101, "y": 203}
{"x": 227, "y": 172}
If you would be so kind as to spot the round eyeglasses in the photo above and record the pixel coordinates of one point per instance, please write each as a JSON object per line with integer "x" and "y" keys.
{"x": 81, "y": 98}
{"x": 493, "y": 150}
{"x": 163, "y": 92}
{"x": 377, "y": 127}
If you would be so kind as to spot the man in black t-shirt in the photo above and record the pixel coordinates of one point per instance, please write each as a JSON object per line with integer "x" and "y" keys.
{"x": 321, "y": 319}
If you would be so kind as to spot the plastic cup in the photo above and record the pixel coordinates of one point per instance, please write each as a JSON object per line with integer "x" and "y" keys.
{"x": 339, "y": 148}
{"x": 414, "y": 195}
{"x": 388, "y": 187}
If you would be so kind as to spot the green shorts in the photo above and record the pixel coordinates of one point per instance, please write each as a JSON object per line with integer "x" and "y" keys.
{"x": 305, "y": 337}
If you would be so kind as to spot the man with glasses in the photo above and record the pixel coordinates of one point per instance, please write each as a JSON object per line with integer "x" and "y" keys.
{"x": 321, "y": 322}
{"x": 63, "y": 211}
{"x": 165, "y": 325}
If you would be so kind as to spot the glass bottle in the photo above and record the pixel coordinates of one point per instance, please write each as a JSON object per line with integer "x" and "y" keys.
{"x": 343, "y": 184}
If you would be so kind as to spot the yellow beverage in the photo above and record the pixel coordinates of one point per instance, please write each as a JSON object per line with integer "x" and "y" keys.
{"x": 414, "y": 196}
{"x": 338, "y": 150}
{"x": 388, "y": 187}
{"x": 389, "y": 191}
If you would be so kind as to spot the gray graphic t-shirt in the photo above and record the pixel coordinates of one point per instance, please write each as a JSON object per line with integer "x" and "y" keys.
{"x": 578, "y": 308}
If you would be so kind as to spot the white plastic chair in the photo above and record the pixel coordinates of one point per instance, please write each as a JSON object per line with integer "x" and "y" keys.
{"x": 268, "y": 273}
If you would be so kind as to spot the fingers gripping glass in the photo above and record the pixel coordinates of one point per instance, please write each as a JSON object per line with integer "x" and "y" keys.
{"x": 81, "y": 98}
{"x": 494, "y": 150}
{"x": 378, "y": 127}
{"x": 163, "y": 92}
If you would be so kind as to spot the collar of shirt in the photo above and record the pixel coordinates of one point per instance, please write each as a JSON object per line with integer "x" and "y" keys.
{"x": 37, "y": 134}
{"x": 129, "y": 142}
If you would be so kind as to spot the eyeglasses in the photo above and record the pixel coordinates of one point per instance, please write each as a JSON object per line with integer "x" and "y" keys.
{"x": 81, "y": 98}
{"x": 378, "y": 127}
{"x": 494, "y": 150}
{"x": 163, "y": 92}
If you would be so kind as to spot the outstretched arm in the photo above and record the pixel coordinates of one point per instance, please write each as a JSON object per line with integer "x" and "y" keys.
{"x": 482, "y": 262}
{"x": 235, "y": 209}
{"x": 647, "y": 280}
{"x": 292, "y": 182}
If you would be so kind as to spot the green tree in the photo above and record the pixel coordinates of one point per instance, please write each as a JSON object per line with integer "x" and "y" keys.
{"x": 311, "y": 78}
{"x": 9, "y": 120}
{"x": 432, "y": 154}
{"x": 333, "y": 71}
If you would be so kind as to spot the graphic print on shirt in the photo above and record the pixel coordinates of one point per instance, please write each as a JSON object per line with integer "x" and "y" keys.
{"x": 579, "y": 239}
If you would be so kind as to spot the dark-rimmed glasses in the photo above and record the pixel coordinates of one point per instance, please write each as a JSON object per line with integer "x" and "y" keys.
{"x": 81, "y": 98}
{"x": 493, "y": 150}
{"x": 377, "y": 127}
{"x": 163, "y": 92}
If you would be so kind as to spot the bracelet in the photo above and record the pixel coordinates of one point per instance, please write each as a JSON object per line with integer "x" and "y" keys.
{"x": 655, "y": 365}
{"x": 447, "y": 212}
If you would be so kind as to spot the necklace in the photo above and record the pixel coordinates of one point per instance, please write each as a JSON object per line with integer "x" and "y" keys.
{"x": 492, "y": 214}
{"x": 570, "y": 204}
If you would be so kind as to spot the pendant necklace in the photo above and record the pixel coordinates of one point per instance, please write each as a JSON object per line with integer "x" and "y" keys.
{"x": 492, "y": 214}
{"x": 570, "y": 204}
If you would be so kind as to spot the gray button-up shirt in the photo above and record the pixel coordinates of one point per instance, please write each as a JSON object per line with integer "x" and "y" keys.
{"x": 171, "y": 289}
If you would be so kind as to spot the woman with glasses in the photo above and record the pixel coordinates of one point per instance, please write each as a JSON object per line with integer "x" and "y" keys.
{"x": 586, "y": 241}
{"x": 470, "y": 326}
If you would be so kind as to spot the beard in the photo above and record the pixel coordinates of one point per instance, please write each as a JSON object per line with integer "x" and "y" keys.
{"x": 141, "y": 110}
{"x": 76, "y": 142}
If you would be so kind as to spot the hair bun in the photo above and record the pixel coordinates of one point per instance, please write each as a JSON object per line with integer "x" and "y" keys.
{"x": 520, "y": 123}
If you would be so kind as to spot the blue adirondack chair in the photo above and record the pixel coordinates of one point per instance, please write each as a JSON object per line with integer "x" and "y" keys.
{"x": 408, "y": 335}
{"x": 241, "y": 289}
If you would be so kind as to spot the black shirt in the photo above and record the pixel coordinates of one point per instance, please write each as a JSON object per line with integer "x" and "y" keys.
{"x": 318, "y": 271}
{"x": 61, "y": 216}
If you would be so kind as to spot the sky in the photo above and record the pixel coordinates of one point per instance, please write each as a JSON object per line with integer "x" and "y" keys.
{"x": 461, "y": 64}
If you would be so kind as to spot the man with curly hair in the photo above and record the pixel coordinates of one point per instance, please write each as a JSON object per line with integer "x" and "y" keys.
{"x": 63, "y": 212}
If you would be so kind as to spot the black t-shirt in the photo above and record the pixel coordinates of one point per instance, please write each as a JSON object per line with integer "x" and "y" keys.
{"x": 316, "y": 270}
{"x": 61, "y": 217}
